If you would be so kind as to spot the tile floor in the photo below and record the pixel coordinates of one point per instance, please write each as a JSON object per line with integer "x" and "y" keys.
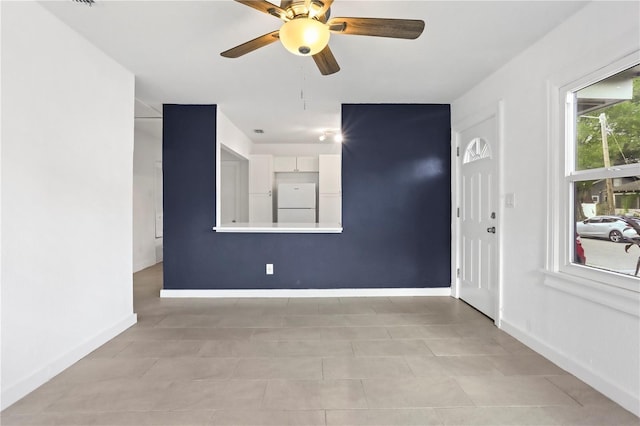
{"x": 334, "y": 361}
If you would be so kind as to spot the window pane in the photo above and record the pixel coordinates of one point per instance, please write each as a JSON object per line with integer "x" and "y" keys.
{"x": 608, "y": 227}
{"x": 608, "y": 122}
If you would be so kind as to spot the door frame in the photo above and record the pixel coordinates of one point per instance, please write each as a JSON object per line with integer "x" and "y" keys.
{"x": 457, "y": 153}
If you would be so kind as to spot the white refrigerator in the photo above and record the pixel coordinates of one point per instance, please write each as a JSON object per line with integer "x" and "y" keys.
{"x": 297, "y": 203}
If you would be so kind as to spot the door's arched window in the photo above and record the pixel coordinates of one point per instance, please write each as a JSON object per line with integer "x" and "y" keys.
{"x": 476, "y": 150}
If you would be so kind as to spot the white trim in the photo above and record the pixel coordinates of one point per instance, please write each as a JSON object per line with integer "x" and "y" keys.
{"x": 620, "y": 299}
{"x": 18, "y": 390}
{"x": 280, "y": 228}
{"x": 582, "y": 371}
{"x": 309, "y": 292}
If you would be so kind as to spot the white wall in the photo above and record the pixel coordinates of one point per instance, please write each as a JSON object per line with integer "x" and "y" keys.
{"x": 297, "y": 149}
{"x": 600, "y": 344}
{"x": 67, "y": 150}
{"x": 230, "y": 136}
{"x": 147, "y": 249}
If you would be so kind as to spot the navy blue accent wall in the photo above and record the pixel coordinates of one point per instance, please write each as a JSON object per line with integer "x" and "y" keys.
{"x": 396, "y": 208}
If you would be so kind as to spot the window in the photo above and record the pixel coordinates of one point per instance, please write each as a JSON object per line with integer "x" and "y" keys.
{"x": 603, "y": 173}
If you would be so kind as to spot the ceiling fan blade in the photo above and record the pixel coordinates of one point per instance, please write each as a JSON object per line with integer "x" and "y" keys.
{"x": 326, "y": 62}
{"x": 326, "y": 4}
{"x": 378, "y": 27}
{"x": 251, "y": 45}
{"x": 285, "y": 4}
{"x": 266, "y": 7}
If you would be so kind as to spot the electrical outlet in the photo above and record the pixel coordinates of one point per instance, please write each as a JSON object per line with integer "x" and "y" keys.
{"x": 269, "y": 268}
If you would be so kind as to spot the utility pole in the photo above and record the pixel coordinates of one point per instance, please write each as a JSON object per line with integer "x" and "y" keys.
{"x": 607, "y": 164}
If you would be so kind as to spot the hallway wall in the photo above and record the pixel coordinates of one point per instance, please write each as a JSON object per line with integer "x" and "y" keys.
{"x": 67, "y": 150}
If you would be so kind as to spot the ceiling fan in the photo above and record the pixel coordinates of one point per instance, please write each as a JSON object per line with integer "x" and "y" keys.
{"x": 307, "y": 28}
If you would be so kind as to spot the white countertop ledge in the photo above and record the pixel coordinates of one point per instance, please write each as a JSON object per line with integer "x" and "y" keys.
{"x": 281, "y": 228}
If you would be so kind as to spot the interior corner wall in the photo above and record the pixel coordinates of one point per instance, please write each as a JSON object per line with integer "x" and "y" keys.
{"x": 599, "y": 344}
{"x": 67, "y": 149}
{"x": 146, "y": 153}
{"x": 396, "y": 208}
{"x": 230, "y": 136}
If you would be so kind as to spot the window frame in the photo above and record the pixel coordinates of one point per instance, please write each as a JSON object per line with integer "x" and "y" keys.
{"x": 560, "y": 270}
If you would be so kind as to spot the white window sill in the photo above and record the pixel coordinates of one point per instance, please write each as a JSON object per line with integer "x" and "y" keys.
{"x": 281, "y": 228}
{"x": 597, "y": 290}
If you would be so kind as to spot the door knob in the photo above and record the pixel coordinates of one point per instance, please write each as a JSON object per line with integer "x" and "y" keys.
{"x": 491, "y": 230}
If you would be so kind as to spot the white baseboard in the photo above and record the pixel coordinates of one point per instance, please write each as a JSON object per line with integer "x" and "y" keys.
{"x": 143, "y": 263}
{"x": 17, "y": 391}
{"x": 310, "y": 292}
{"x": 581, "y": 371}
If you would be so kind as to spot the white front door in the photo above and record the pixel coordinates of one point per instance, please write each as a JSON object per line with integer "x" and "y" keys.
{"x": 478, "y": 216}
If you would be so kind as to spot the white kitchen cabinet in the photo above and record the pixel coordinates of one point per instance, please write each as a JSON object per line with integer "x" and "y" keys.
{"x": 295, "y": 164}
{"x": 261, "y": 188}
{"x": 260, "y": 208}
{"x": 330, "y": 208}
{"x": 260, "y": 174}
{"x": 330, "y": 174}
{"x": 284, "y": 164}
{"x": 307, "y": 164}
{"x": 330, "y": 189}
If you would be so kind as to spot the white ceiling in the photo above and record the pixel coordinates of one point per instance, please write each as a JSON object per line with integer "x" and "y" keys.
{"x": 173, "y": 49}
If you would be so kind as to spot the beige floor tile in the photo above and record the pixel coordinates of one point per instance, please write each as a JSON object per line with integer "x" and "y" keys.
{"x": 513, "y": 391}
{"x": 465, "y": 346}
{"x": 268, "y": 418}
{"x": 495, "y": 416}
{"x": 394, "y": 347}
{"x": 114, "y": 395}
{"x": 361, "y": 368}
{"x": 173, "y": 369}
{"x": 579, "y": 390}
{"x": 161, "y": 349}
{"x": 512, "y": 345}
{"x": 398, "y": 319}
{"x": 474, "y": 329}
{"x": 322, "y": 333}
{"x": 186, "y": 320}
{"x": 149, "y": 320}
{"x": 314, "y": 394}
{"x": 49, "y": 419}
{"x": 400, "y": 417}
{"x": 423, "y": 332}
{"x": 145, "y": 334}
{"x": 270, "y": 349}
{"x": 452, "y": 366}
{"x": 415, "y": 393}
{"x": 262, "y": 303}
{"x": 38, "y": 400}
{"x": 154, "y": 418}
{"x": 278, "y": 368}
{"x": 355, "y": 333}
{"x": 374, "y": 361}
{"x": 347, "y": 309}
{"x": 526, "y": 365}
{"x": 288, "y": 333}
{"x": 254, "y": 321}
{"x": 212, "y": 394}
{"x": 99, "y": 369}
{"x": 314, "y": 321}
{"x": 592, "y": 416}
{"x": 217, "y": 333}
{"x": 109, "y": 349}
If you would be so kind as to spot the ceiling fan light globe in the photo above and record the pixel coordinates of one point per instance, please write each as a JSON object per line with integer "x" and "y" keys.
{"x": 304, "y": 36}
